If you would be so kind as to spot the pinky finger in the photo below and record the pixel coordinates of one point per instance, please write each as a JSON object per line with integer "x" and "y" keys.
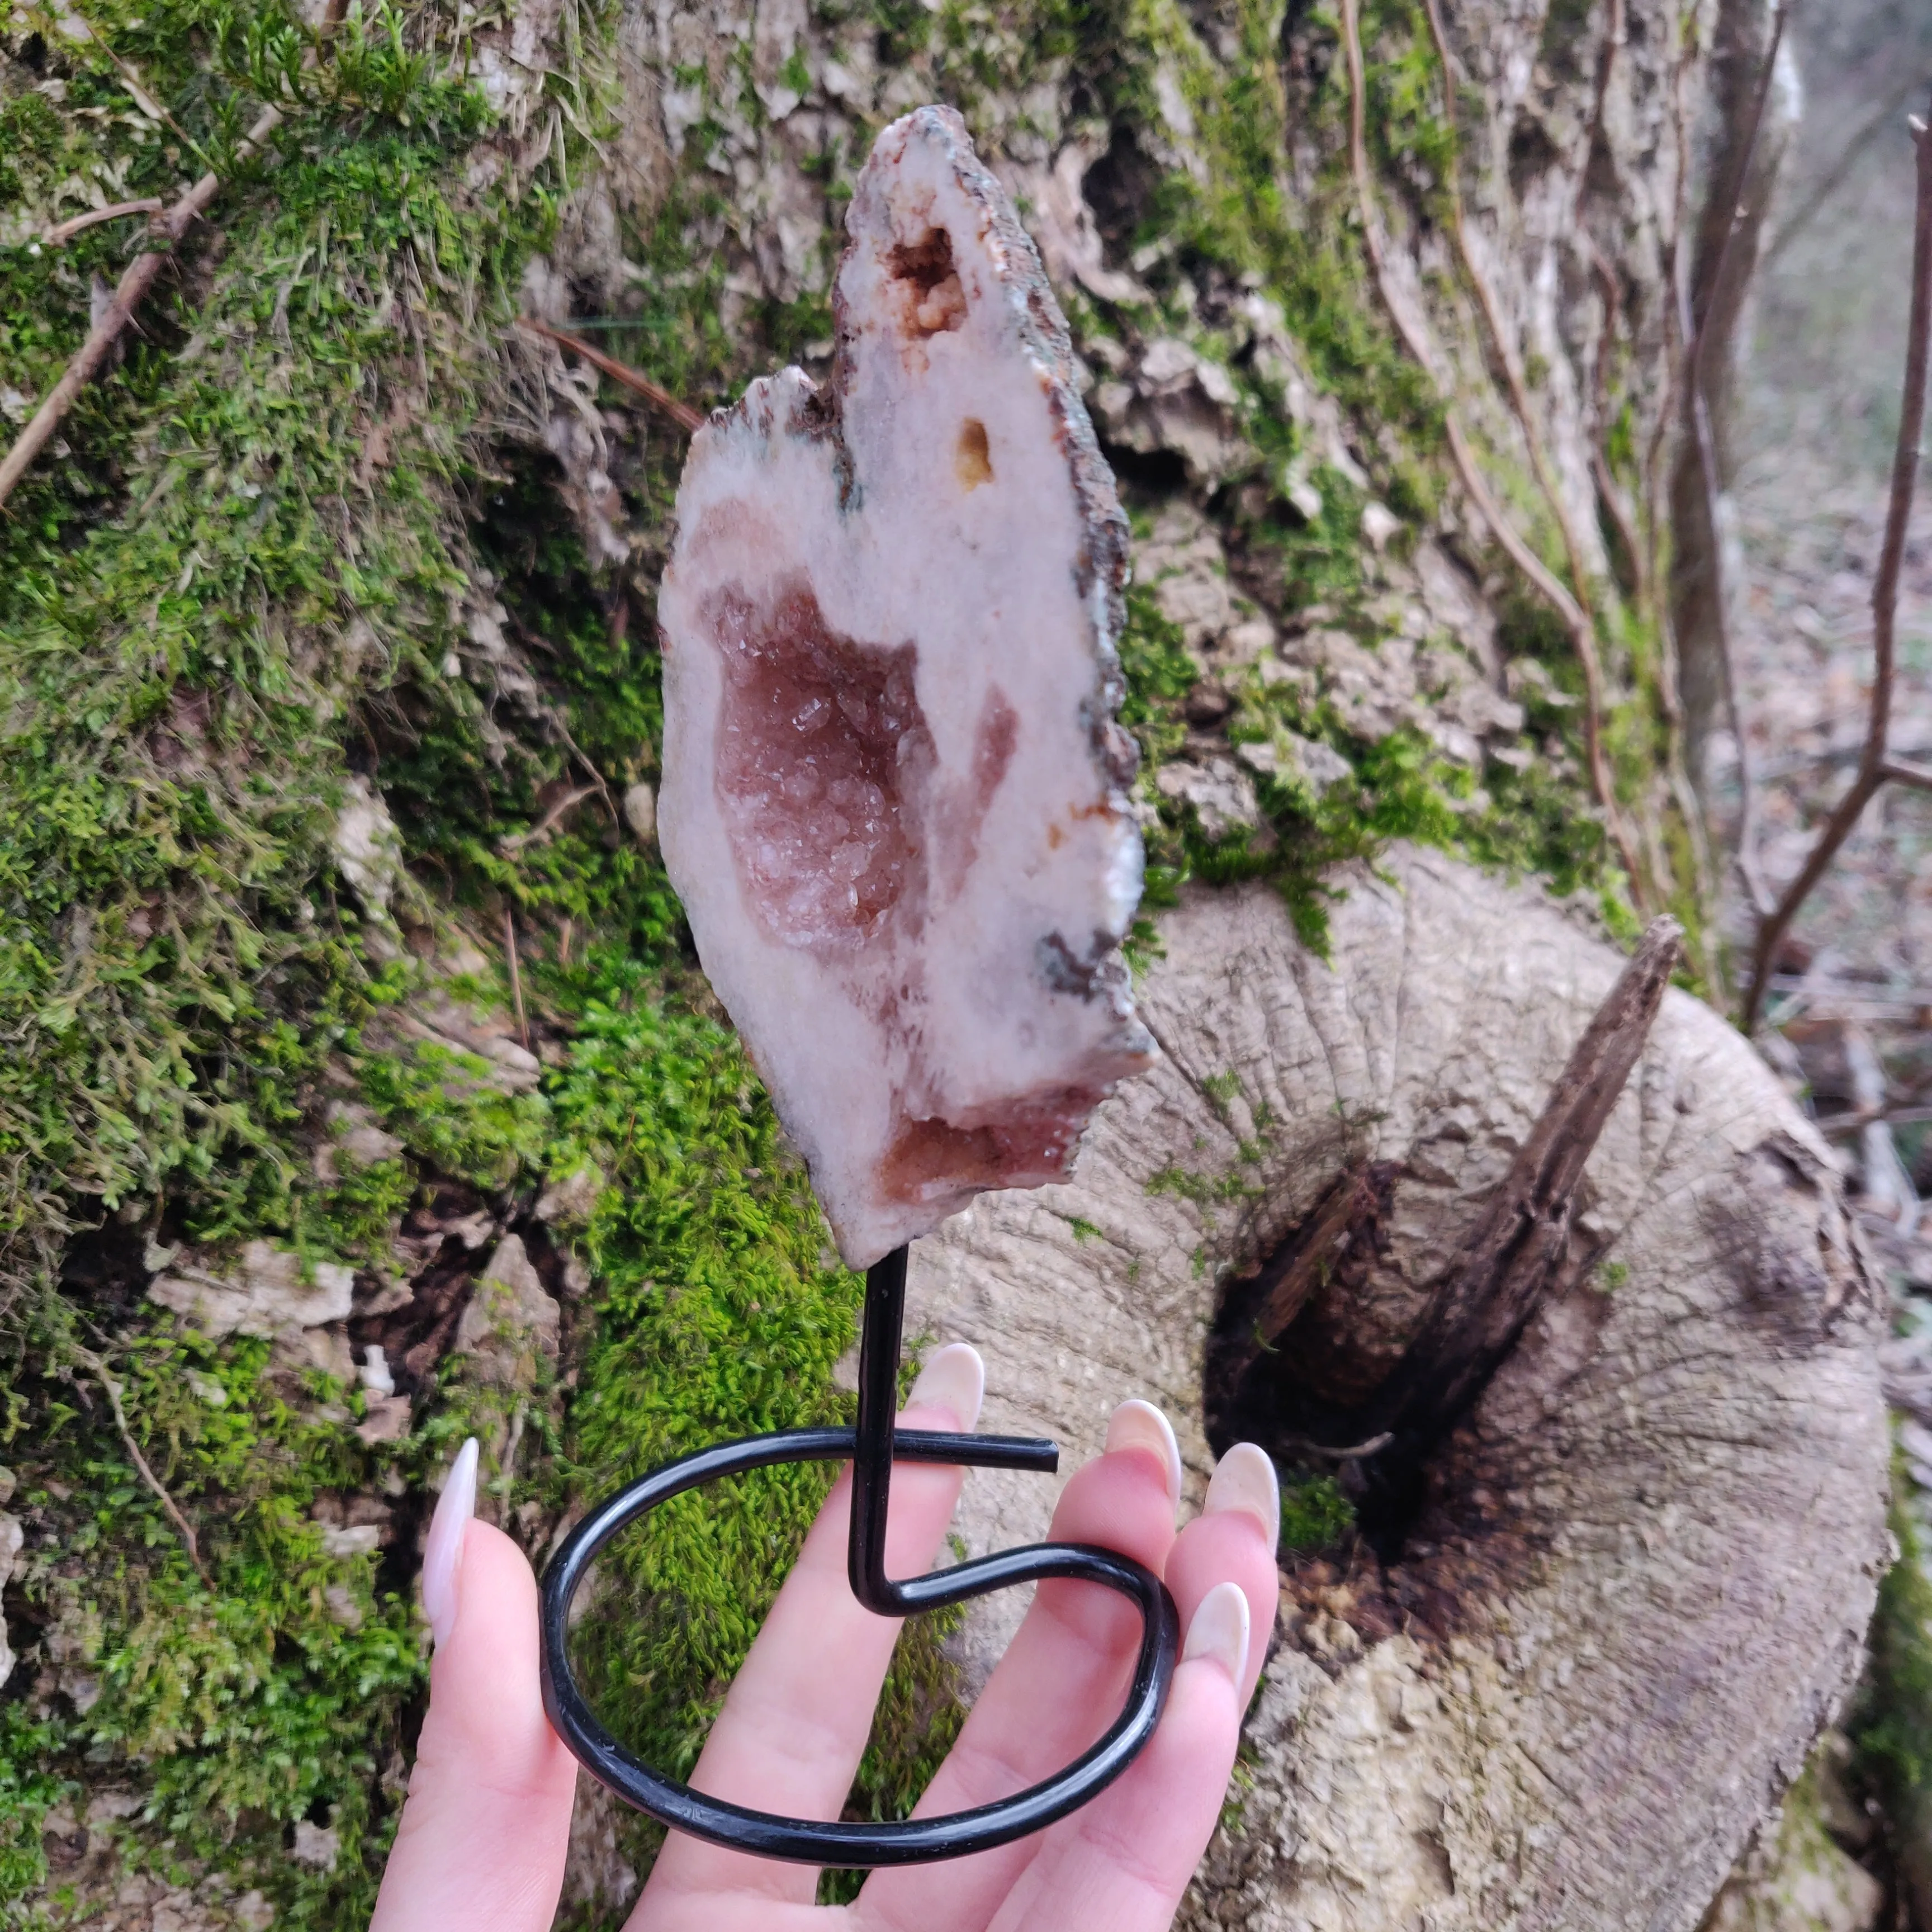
{"x": 1124, "y": 1862}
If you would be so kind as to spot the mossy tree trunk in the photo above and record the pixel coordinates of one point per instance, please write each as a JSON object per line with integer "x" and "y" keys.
{"x": 333, "y": 928}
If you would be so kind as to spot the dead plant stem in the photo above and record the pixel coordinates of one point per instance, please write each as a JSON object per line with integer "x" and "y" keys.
{"x": 686, "y": 418}
{"x": 1695, "y": 327}
{"x": 1840, "y": 170}
{"x": 112, "y": 1390}
{"x": 1877, "y": 766}
{"x": 58, "y": 237}
{"x": 136, "y": 281}
{"x": 516, "y": 977}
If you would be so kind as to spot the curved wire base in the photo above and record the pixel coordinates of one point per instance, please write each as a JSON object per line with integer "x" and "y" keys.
{"x": 873, "y": 1446}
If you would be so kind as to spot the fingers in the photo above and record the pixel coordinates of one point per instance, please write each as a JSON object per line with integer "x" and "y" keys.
{"x": 1233, "y": 1540}
{"x": 1121, "y": 1864}
{"x": 1065, "y": 1675}
{"x": 794, "y": 1725}
{"x": 1060, "y": 1684}
{"x": 483, "y": 1836}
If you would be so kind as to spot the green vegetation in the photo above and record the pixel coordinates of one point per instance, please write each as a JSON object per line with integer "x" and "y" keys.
{"x": 1894, "y": 1732}
{"x": 286, "y": 550}
{"x": 1316, "y": 1516}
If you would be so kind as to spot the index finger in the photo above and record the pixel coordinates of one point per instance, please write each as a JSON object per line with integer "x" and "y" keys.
{"x": 795, "y": 1720}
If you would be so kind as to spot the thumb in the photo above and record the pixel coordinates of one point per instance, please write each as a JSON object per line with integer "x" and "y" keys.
{"x": 483, "y": 1836}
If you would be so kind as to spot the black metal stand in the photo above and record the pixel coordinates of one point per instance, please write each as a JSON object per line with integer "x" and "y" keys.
{"x": 872, "y": 1447}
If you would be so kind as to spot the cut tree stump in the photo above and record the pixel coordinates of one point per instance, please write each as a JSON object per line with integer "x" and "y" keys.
{"x": 1568, "y": 1668}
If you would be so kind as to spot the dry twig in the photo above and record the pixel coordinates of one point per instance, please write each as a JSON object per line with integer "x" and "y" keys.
{"x": 1343, "y": 1223}
{"x": 1695, "y": 329}
{"x": 112, "y": 1390}
{"x": 1878, "y": 766}
{"x": 539, "y": 832}
{"x": 136, "y": 281}
{"x": 1575, "y": 620}
{"x": 66, "y": 231}
{"x": 1839, "y": 171}
{"x": 686, "y": 418}
{"x": 516, "y": 977}
{"x": 1836, "y": 1125}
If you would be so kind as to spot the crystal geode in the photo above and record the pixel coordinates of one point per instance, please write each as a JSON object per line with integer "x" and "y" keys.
{"x": 894, "y": 796}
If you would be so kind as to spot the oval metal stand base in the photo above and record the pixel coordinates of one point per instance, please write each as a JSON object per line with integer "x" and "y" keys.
{"x": 872, "y": 1447}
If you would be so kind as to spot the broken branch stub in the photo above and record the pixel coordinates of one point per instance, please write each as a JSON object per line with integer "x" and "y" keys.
{"x": 894, "y": 793}
{"x": 1644, "y": 1557}
{"x": 1521, "y": 1244}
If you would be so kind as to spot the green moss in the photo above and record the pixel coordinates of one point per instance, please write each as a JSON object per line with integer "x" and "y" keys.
{"x": 1411, "y": 142}
{"x": 1316, "y": 1516}
{"x": 214, "y": 607}
{"x": 239, "y": 1703}
{"x": 1237, "y": 209}
{"x": 1895, "y": 1734}
{"x": 191, "y": 599}
{"x": 719, "y": 1313}
{"x": 29, "y": 1790}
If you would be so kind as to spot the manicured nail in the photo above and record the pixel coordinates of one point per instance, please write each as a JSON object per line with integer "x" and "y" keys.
{"x": 1245, "y": 1479}
{"x": 1219, "y": 1630}
{"x": 953, "y": 1378}
{"x": 442, "y": 1553}
{"x": 1139, "y": 1425}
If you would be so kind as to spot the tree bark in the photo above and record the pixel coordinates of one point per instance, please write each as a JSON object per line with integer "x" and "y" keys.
{"x": 1635, "y": 1580}
{"x": 1561, "y": 1684}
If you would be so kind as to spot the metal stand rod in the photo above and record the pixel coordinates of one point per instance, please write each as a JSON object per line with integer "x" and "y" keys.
{"x": 873, "y": 1447}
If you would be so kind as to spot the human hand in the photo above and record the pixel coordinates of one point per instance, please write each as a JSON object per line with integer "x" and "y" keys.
{"x": 483, "y": 1836}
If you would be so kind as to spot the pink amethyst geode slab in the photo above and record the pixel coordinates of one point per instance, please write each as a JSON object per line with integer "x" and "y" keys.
{"x": 894, "y": 796}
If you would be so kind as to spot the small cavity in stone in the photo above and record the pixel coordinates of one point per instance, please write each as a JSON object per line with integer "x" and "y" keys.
{"x": 931, "y": 299}
{"x": 972, "y": 460}
{"x": 821, "y": 744}
{"x": 1027, "y": 1145}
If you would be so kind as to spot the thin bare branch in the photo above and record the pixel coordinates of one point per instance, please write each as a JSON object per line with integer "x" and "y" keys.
{"x": 112, "y": 1390}
{"x": 137, "y": 279}
{"x": 1305, "y": 1445}
{"x": 1834, "y": 1126}
{"x": 1695, "y": 329}
{"x": 540, "y": 832}
{"x": 1572, "y": 615}
{"x": 1903, "y": 771}
{"x": 66, "y": 231}
{"x": 1877, "y": 766}
{"x": 1834, "y": 177}
{"x": 686, "y": 418}
{"x": 516, "y": 977}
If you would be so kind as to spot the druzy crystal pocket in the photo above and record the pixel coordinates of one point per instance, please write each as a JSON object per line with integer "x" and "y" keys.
{"x": 894, "y": 794}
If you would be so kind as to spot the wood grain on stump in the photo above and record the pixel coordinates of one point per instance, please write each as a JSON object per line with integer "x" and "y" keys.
{"x": 1561, "y": 1684}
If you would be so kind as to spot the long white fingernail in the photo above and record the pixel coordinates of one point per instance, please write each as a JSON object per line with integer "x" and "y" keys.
{"x": 1139, "y": 1425}
{"x": 1245, "y": 1479}
{"x": 443, "y": 1552}
{"x": 953, "y": 1378}
{"x": 1219, "y": 1630}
